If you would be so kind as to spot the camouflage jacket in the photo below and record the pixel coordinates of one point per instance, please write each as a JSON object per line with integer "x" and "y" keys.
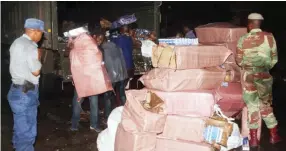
{"x": 257, "y": 49}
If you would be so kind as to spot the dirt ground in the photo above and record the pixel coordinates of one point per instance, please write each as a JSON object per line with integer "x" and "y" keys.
{"x": 53, "y": 127}
{"x": 54, "y": 116}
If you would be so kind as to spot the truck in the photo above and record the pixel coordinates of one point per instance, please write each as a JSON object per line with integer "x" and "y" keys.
{"x": 55, "y": 63}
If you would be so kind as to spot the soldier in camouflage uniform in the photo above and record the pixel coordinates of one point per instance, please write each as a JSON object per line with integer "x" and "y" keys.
{"x": 256, "y": 55}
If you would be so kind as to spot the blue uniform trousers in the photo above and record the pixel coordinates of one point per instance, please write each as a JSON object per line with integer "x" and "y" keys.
{"x": 24, "y": 107}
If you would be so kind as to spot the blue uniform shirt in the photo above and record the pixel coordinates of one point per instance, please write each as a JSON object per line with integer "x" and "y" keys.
{"x": 24, "y": 60}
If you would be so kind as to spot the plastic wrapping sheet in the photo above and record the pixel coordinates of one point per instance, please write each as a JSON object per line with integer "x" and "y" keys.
{"x": 114, "y": 62}
{"x": 141, "y": 34}
{"x": 127, "y": 19}
{"x": 76, "y": 32}
{"x": 221, "y": 32}
{"x": 124, "y": 20}
{"x": 139, "y": 62}
{"x": 114, "y": 119}
{"x": 106, "y": 138}
{"x": 235, "y": 140}
{"x": 89, "y": 73}
{"x": 179, "y": 41}
{"x": 105, "y": 141}
{"x": 147, "y": 47}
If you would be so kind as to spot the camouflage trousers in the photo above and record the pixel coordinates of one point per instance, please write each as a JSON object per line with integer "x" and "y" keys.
{"x": 257, "y": 95}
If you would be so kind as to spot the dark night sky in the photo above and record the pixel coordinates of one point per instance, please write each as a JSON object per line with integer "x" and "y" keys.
{"x": 194, "y": 13}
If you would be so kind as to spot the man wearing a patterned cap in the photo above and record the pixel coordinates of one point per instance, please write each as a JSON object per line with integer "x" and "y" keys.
{"x": 25, "y": 67}
{"x": 257, "y": 54}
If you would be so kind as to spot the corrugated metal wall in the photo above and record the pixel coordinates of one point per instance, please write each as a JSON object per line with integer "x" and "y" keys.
{"x": 15, "y": 13}
{"x": 145, "y": 16}
{"x": 13, "y": 17}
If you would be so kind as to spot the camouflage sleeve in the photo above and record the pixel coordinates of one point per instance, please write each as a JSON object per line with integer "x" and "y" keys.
{"x": 239, "y": 52}
{"x": 274, "y": 56}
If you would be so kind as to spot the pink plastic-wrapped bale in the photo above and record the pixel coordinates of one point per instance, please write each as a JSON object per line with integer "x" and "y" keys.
{"x": 145, "y": 121}
{"x": 175, "y": 145}
{"x": 89, "y": 74}
{"x": 232, "y": 46}
{"x": 230, "y": 63}
{"x": 140, "y": 141}
{"x": 231, "y": 102}
{"x": 192, "y": 57}
{"x": 193, "y": 104}
{"x": 183, "y": 80}
{"x": 184, "y": 128}
{"x": 220, "y": 32}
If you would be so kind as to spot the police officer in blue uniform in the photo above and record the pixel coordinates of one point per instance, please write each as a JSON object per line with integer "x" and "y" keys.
{"x": 25, "y": 67}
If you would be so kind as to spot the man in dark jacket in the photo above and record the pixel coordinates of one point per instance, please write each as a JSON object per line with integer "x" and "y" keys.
{"x": 116, "y": 68}
{"x": 124, "y": 41}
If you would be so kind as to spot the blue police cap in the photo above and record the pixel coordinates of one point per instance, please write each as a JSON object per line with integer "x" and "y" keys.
{"x": 33, "y": 23}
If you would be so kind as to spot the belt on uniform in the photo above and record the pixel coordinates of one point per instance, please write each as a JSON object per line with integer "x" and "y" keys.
{"x": 27, "y": 86}
{"x": 16, "y": 85}
{"x": 248, "y": 67}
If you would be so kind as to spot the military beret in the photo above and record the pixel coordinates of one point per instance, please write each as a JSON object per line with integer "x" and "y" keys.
{"x": 255, "y": 16}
